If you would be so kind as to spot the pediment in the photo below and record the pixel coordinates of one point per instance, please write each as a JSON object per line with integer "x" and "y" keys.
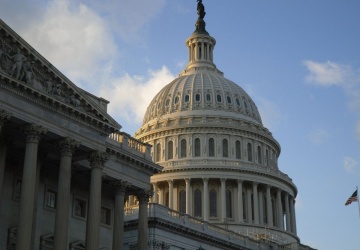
{"x": 24, "y": 71}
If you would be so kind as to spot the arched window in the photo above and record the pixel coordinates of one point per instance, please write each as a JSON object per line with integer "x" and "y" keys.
{"x": 197, "y": 97}
{"x": 183, "y": 148}
{"x": 158, "y": 152}
{"x": 197, "y": 203}
{"x": 249, "y": 151}
{"x": 238, "y": 102}
{"x": 211, "y": 147}
{"x": 187, "y": 98}
{"x": 225, "y": 148}
{"x": 197, "y": 147}
{"x": 213, "y": 203}
{"x": 228, "y": 204}
{"x": 176, "y": 100}
{"x": 259, "y": 154}
{"x": 228, "y": 98}
{"x": 170, "y": 150}
{"x": 208, "y": 97}
{"x": 182, "y": 201}
{"x": 218, "y": 98}
{"x": 238, "y": 149}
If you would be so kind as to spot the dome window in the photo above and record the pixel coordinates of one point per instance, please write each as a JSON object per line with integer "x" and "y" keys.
{"x": 167, "y": 102}
{"x": 187, "y": 98}
{"x": 218, "y": 98}
{"x": 228, "y": 98}
{"x": 238, "y": 101}
{"x": 197, "y": 97}
{"x": 245, "y": 104}
{"x": 176, "y": 100}
{"x": 208, "y": 97}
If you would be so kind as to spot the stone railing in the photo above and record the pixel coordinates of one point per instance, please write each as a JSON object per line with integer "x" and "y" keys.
{"x": 130, "y": 143}
{"x": 249, "y": 236}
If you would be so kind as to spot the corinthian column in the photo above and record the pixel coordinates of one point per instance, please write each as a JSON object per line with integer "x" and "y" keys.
{"x": 171, "y": 194}
{"x": 187, "y": 187}
{"x": 118, "y": 232}
{"x": 97, "y": 161}
{"x": 269, "y": 213}
{"x": 256, "y": 202}
{"x": 67, "y": 147}
{"x": 279, "y": 209}
{"x": 223, "y": 200}
{"x": 240, "y": 201}
{"x": 293, "y": 217}
{"x": 4, "y": 117}
{"x": 206, "y": 199}
{"x": 143, "y": 197}
{"x": 33, "y": 135}
{"x": 287, "y": 212}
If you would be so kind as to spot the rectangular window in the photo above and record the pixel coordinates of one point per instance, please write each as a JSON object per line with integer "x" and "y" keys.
{"x": 80, "y": 208}
{"x": 105, "y": 216}
{"x": 50, "y": 199}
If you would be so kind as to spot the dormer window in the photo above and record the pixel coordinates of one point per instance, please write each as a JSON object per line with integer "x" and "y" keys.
{"x": 176, "y": 100}
{"x": 197, "y": 97}
{"x": 228, "y": 98}
{"x": 218, "y": 98}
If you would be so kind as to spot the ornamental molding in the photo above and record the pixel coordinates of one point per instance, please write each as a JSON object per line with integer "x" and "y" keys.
{"x": 25, "y": 73}
{"x": 97, "y": 159}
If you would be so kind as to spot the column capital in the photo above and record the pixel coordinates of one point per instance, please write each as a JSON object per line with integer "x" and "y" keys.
{"x": 187, "y": 180}
{"x": 170, "y": 181}
{"x": 255, "y": 183}
{"x": 120, "y": 186}
{"x": 97, "y": 159}
{"x": 144, "y": 196}
{"x": 34, "y": 132}
{"x": 240, "y": 181}
{"x": 4, "y": 117}
{"x": 223, "y": 180}
{"x": 68, "y": 146}
{"x": 205, "y": 179}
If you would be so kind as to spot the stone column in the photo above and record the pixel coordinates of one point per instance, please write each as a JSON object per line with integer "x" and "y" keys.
{"x": 287, "y": 212}
{"x": 161, "y": 195}
{"x": 240, "y": 201}
{"x": 118, "y": 232}
{"x": 293, "y": 217}
{"x": 171, "y": 194}
{"x": 279, "y": 209}
{"x": 223, "y": 200}
{"x": 3, "y": 151}
{"x": 33, "y": 134}
{"x": 187, "y": 187}
{"x": 4, "y": 117}
{"x": 256, "y": 203}
{"x": 67, "y": 147}
{"x": 155, "y": 196}
{"x": 202, "y": 52}
{"x": 269, "y": 213}
{"x": 248, "y": 207}
{"x": 97, "y": 161}
{"x": 261, "y": 207}
{"x": 143, "y": 197}
{"x": 206, "y": 199}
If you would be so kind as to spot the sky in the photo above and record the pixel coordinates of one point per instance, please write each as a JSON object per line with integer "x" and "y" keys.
{"x": 298, "y": 60}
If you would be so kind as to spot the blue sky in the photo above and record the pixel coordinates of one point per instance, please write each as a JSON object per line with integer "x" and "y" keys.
{"x": 298, "y": 60}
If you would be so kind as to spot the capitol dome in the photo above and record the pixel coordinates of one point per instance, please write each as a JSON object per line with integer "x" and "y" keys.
{"x": 220, "y": 162}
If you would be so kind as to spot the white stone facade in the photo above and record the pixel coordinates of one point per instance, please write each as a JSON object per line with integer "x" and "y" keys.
{"x": 65, "y": 168}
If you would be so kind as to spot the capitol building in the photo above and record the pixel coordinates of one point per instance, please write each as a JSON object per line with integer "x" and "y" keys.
{"x": 201, "y": 173}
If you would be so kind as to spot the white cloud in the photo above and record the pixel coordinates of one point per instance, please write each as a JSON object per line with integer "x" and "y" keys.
{"x": 129, "y": 96}
{"x": 74, "y": 38}
{"x": 327, "y": 73}
{"x": 318, "y": 136}
{"x": 350, "y": 164}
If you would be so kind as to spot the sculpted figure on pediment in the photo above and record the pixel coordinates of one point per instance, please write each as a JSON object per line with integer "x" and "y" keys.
{"x": 18, "y": 60}
{"x": 5, "y": 61}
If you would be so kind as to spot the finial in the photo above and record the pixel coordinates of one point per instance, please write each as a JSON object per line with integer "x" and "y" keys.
{"x": 200, "y": 9}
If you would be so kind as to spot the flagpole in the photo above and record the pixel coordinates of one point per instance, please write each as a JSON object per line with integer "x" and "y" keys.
{"x": 357, "y": 192}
